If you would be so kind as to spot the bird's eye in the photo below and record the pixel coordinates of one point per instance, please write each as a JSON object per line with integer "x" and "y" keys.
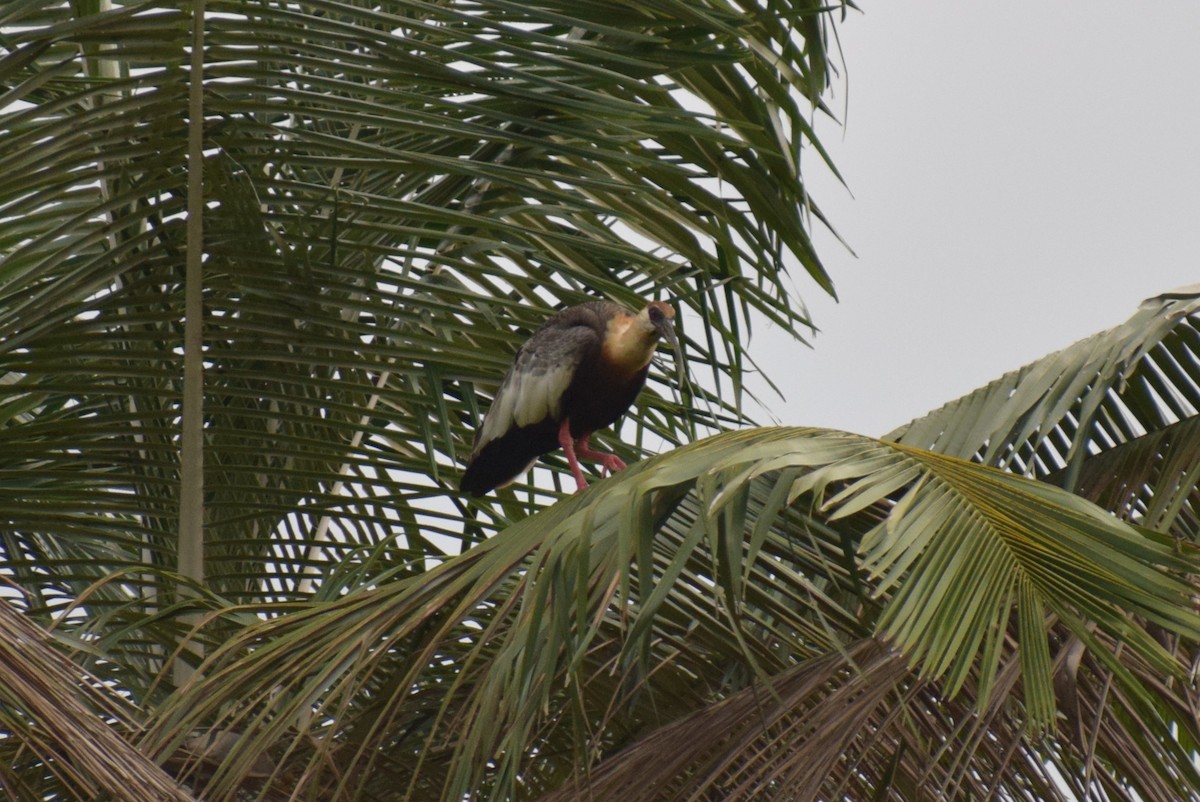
{"x": 656, "y": 314}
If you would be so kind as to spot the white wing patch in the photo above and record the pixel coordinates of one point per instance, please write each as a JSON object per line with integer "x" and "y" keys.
{"x": 533, "y": 389}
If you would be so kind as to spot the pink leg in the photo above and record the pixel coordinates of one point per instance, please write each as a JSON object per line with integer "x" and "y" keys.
{"x": 568, "y": 447}
{"x": 611, "y": 462}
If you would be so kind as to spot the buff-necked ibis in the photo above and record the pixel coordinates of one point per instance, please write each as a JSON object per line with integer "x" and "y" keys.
{"x": 578, "y": 373}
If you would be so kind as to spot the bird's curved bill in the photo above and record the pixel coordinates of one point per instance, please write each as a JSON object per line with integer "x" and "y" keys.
{"x": 676, "y": 354}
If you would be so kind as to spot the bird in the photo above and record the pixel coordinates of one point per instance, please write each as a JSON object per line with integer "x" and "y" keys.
{"x": 576, "y": 374}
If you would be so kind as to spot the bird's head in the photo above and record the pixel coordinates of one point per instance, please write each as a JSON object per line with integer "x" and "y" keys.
{"x": 660, "y": 317}
{"x": 631, "y": 339}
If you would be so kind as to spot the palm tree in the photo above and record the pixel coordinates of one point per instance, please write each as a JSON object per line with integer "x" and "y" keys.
{"x": 259, "y": 278}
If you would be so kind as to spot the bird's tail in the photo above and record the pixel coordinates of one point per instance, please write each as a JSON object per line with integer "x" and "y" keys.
{"x": 507, "y": 457}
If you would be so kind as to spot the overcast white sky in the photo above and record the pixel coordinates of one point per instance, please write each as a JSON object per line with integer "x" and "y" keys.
{"x": 1023, "y": 174}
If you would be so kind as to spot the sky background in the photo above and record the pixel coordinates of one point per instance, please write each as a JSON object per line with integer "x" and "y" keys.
{"x": 1023, "y": 175}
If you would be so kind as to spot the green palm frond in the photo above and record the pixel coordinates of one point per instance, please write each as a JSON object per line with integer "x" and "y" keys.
{"x": 804, "y": 564}
{"x": 1115, "y": 406}
{"x": 395, "y": 194}
{"x": 1112, "y": 418}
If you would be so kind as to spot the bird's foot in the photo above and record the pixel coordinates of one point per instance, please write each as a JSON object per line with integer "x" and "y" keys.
{"x": 608, "y": 462}
{"x": 611, "y": 463}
